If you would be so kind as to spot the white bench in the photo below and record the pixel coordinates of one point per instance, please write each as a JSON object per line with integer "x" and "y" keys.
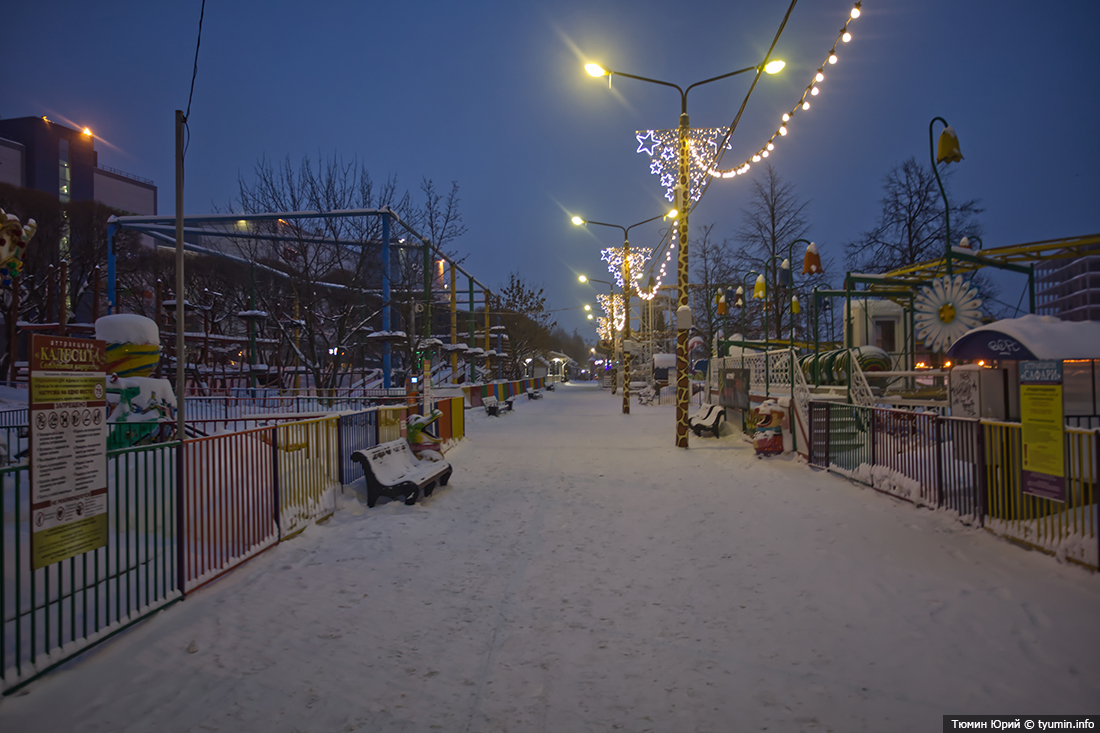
{"x": 392, "y": 470}
{"x": 534, "y": 394}
{"x": 708, "y": 417}
{"x": 495, "y": 407}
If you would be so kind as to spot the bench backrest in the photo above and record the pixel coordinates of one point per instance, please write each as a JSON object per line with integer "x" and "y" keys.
{"x": 489, "y": 400}
{"x": 390, "y": 461}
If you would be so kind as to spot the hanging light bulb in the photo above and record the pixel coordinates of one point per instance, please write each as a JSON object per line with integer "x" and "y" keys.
{"x": 783, "y": 130}
{"x": 765, "y": 154}
{"x": 820, "y": 77}
{"x": 805, "y": 105}
{"x": 786, "y": 117}
{"x": 756, "y": 159}
{"x": 855, "y": 11}
{"x": 832, "y": 57}
{"x": 815, "y": 91}
{"x": 771, "y": 147}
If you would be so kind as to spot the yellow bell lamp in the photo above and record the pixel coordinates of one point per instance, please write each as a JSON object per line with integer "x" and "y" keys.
{"x": 947, "y": 150}
{"x": 758, "y": 289}
{"x": 796, "y": 308}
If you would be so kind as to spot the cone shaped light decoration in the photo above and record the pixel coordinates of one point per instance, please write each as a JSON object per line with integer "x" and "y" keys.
{"x": 739, "y": 297}
{"x": 812, "y": 264}
{"x": 758, "y": 289}
{"x": 783, "y": 275}
{"x": 796, "y": 308}
{"x": 947, "y": 151}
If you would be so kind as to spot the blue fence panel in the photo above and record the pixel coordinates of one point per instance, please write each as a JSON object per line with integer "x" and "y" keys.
{"x": 358, "y": 430}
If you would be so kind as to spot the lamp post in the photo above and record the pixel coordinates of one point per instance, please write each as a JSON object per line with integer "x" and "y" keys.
{"x": 683, "y": 386}
{"x": 628, "y": 285}
{"x": 947, "y": 152}
{"x": 614, "y": 341}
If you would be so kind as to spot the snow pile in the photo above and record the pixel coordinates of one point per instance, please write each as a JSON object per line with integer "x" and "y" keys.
{"x": 127, "y": 328}
{"x": 884, "y": 479}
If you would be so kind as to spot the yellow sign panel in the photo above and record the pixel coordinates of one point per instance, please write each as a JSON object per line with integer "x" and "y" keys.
{"x": 1041, "y": 415}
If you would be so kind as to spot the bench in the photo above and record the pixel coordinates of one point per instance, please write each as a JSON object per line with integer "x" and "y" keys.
{"x": 392, "y": 470}
{"x": 495, "y": 407}
{"x": 708, "y": 417}
{"x": 534, "y": 394}
{"x": 549, "y": 386}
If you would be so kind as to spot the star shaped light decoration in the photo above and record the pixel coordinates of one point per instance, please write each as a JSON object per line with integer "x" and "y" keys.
{"x": 614, "y": 259}
{"x": 662, "y": 146}
{"x": 649, "y": 147}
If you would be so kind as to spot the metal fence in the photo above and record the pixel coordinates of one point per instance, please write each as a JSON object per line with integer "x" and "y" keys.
{"x": 969, "y": 466}
{"x": 50, "y": 614}
{"x": 243, "y": 492}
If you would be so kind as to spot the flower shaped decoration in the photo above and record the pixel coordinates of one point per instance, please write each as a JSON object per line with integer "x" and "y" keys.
{"x": 946, "y": 309}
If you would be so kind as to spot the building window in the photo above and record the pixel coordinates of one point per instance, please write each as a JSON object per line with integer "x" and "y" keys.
{"x": 65, "y": 176}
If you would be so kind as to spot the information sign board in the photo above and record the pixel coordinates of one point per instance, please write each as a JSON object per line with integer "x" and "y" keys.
{"x": 68, "y": 435}
{"x": 1043, "y": 472}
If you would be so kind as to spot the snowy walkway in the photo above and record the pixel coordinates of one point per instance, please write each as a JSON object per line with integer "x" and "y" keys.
{"x": 582, "y": 574}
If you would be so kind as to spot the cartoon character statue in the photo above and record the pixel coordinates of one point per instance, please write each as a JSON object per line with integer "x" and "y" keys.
{"x": 13, "y": 242}
{"x": 768, "y": 438}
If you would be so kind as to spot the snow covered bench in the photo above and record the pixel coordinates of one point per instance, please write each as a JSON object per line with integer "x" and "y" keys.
{"x": 392, "y": 470}
{"x": 534, "y": 394}
{"x": 708, "y": 417}
{"x": 495, "y": 407}
{"x": 549, "y": 386}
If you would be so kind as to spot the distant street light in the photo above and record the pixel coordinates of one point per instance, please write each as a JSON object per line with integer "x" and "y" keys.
{"x": 628, "y": 285}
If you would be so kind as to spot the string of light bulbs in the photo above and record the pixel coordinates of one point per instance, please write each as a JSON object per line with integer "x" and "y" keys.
{"x": 662, "y": 148}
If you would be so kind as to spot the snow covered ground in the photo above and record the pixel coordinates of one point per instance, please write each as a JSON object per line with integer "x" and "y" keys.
{"x": 581, "y": 573}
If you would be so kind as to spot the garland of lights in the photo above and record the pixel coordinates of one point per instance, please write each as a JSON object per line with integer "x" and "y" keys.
{"x": 614, "y": 259}
{"x": 613, "y": 304}
{"x": 662, "y": 146}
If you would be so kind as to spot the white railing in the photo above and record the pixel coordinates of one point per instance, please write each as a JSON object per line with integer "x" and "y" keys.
{"x": 861, "y": 390}
{"x": 801, "y": 394}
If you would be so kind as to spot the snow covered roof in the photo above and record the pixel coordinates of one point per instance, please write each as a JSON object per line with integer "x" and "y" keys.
{"x": 1030, "y": 337}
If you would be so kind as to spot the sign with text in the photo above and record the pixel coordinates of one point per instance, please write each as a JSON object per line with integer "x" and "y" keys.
{"x": 68, "y": 416}
{"x": 1043, "y": 472}
{"x": 733, "y": 388}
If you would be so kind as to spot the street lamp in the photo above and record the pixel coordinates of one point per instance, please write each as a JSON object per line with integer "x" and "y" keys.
{"x": 683, "y": 386}
{"x": 628, "y": 285}
{"x": 947, "y": 152}
{"x": 611, "y": 326}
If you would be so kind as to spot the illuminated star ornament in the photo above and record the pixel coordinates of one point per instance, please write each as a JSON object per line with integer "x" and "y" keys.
{"x": 647, "y": 147}
{"x": 614, "y": 259}
{"x": 662, "y": 146}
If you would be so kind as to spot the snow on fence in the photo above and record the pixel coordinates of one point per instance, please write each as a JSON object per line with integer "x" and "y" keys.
{"x": 50, "y": 614}
{"x": 968, "y": 466}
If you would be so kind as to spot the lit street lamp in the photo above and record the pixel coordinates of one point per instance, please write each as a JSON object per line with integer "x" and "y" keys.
{"x": 611, "y": 326}
{"x": 628, "y": 285}
{"x": 683, "y": 386}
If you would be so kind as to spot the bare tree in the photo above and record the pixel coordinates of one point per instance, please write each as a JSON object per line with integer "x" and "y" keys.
{"x": 522, "y": 311}
{"x": 911, "y": 227}
{"x": 712, "y": 272}
{"x": 774, "y": 218}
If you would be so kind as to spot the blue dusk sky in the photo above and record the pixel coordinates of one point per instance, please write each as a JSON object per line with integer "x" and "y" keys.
{"x": 493, "y": 95}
